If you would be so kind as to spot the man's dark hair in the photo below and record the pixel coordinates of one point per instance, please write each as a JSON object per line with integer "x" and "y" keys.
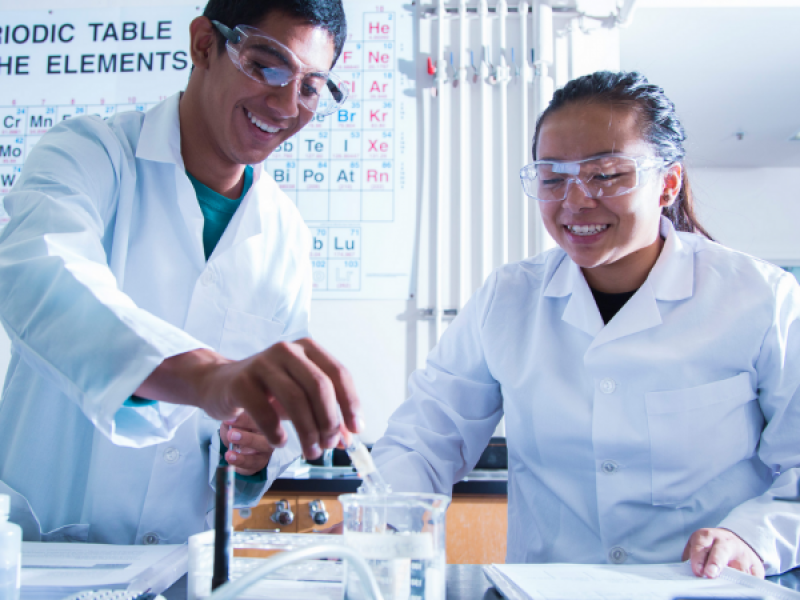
{"x": 328, "y": 14}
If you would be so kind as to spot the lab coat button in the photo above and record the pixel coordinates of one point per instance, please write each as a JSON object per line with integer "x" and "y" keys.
{"x": 208, "y": 278}
{"x": 171, "y": 455}
{"x": 607, "y": 386}
{"x": 617, "y": 555}
{"x": 149, "y": 539}
{"x": 609, "y": 467}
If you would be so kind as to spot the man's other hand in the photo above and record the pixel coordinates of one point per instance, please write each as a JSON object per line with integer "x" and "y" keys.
{"x": 248, "y": 450}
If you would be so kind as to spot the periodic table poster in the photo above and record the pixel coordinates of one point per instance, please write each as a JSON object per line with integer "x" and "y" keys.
{"x": 352, "y": 174}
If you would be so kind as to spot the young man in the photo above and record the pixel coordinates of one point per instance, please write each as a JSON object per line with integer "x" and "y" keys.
{"x": 147, "y": 272}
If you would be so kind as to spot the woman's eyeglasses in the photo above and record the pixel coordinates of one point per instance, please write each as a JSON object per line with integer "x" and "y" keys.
{"x": 602, "y": 176}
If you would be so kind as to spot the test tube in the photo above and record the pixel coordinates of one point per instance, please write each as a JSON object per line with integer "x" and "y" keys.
{"x": 367, "y": 471}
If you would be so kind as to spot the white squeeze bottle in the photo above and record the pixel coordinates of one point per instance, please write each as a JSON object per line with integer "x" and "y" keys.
{"x": 10, "y": 553}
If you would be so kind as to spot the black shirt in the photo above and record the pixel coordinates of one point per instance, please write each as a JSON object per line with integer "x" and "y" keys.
{"x": 610, "y": 304}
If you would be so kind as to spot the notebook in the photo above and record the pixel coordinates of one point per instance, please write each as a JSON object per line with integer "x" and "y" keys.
{"x": 55, "y": 570}
{"x": 626, "y": 582}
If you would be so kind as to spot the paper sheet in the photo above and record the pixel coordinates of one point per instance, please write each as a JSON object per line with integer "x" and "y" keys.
{"x": 621, "y": 582}
{"x": 61, "y": 568}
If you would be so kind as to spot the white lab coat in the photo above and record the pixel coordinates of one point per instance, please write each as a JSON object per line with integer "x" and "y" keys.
{"x": 682, "y": 412}
{"x": 102, "y": 277}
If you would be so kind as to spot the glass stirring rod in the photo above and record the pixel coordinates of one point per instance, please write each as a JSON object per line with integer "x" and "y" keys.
{"x": 367, "y": 471}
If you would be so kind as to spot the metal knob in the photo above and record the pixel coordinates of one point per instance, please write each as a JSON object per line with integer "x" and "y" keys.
{"x": 318, "y": 513}
{"x": 283, "y": 514}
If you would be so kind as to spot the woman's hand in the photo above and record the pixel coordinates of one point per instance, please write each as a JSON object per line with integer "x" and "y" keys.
{"x": 709, "y": 550}
{"x": 248, "y": 449}
{"x": 337, "y": 529}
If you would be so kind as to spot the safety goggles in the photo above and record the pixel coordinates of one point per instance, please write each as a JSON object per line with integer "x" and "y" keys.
{"x": 267, "y": 61}
{"x": 604, "y": 176}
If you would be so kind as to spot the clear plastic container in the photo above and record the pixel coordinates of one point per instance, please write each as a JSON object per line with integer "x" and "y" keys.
{"x": 317, "y": 579}
{"x": 402, "y": 537}
{"x": 10, "y": 553}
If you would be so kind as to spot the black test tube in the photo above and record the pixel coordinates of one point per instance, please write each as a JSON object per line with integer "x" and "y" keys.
{"x": 223, "y": 527}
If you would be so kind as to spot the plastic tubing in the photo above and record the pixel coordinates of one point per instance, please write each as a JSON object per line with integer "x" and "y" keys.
{"x": 464, "y": 171}
{"x": 231, "y": 590}
{"x": 526, "y": 142}
{"x": 486, "y": 244}
{"x": 503, "y": 76}
{"x": 442, "y": 179}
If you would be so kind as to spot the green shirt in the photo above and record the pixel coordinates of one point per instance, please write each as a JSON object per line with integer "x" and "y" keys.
{"x": 217, "y": 209}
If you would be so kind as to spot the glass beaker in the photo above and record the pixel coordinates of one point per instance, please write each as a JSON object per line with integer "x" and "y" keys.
{"x": 402, "y": 537}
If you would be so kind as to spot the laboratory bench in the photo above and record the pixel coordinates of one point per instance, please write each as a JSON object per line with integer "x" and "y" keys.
{"x": 306, "y": 501}
{"x": 467, "y": 582}
{"x": 344, "y": 480}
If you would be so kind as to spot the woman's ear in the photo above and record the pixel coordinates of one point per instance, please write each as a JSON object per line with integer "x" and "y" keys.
{"x": 203, "y": 40}
{"x": 671, "y": 182}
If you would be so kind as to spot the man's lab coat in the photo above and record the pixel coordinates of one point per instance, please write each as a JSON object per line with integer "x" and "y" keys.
{"x": 102, "y": 277}
{"x": 682, "y": 412}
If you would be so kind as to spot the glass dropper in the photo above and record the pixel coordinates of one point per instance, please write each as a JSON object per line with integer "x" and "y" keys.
{"x": 373, "y": 482}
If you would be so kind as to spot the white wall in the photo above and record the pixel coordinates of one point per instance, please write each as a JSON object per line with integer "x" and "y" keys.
{"x": 370, "y": 338}
{"x": 752, "y": 210}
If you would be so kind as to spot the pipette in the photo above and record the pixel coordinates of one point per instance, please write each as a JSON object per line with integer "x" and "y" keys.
{"x": 367, "y": 471}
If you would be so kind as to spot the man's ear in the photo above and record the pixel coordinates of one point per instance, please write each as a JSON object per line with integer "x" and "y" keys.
{"x": 671, "y": 184}
{"x": 203, "y": 42}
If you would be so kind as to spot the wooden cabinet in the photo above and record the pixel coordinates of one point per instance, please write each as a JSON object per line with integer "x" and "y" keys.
{"x": 265, "y": 516}
{"x": 476, "y": 525}
{"x": 476, "y": 530}
{"x": 260, "y": 518}
{"x": 305, "y": 520}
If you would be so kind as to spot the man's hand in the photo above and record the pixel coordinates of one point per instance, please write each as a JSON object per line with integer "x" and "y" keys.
{"x": 709, "y": 550}
{"x": 248, "y": 450}
{"x": 298, "y": 381}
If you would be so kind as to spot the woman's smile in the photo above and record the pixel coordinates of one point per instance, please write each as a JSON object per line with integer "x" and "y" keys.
{"x": 586, "y": 230}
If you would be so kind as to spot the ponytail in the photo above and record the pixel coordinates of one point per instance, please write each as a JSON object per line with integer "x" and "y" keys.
{"x": 681, "y": 212}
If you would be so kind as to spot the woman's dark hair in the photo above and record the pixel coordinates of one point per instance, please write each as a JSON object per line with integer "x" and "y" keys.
{"x": 328, "y": 14}
{"x": 660, "y": 127}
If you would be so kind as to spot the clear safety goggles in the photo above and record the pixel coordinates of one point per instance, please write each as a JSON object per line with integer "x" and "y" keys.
{"x": 603, "y": 176}
{"x": 267, "y": 61}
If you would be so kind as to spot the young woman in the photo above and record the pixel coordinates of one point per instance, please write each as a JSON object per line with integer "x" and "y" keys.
{"x": 648, "y": 376}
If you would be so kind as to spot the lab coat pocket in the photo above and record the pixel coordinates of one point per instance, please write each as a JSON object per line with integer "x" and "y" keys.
{"x": 244, "y": 334}
{"x": 698, "y": 433}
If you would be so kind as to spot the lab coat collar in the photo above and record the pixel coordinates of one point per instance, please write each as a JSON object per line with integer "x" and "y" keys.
{"x": 160, "y": 137}
{"x": 160, "y": 141}
{"x": 671, "y": 279}
{"x": 581, "y": 310}
{"x": 247, "y": 221}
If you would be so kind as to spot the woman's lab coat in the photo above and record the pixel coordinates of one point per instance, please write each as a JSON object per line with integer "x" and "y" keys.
{"x": 102, "y": 277}
{"x": 682, "y": 412}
